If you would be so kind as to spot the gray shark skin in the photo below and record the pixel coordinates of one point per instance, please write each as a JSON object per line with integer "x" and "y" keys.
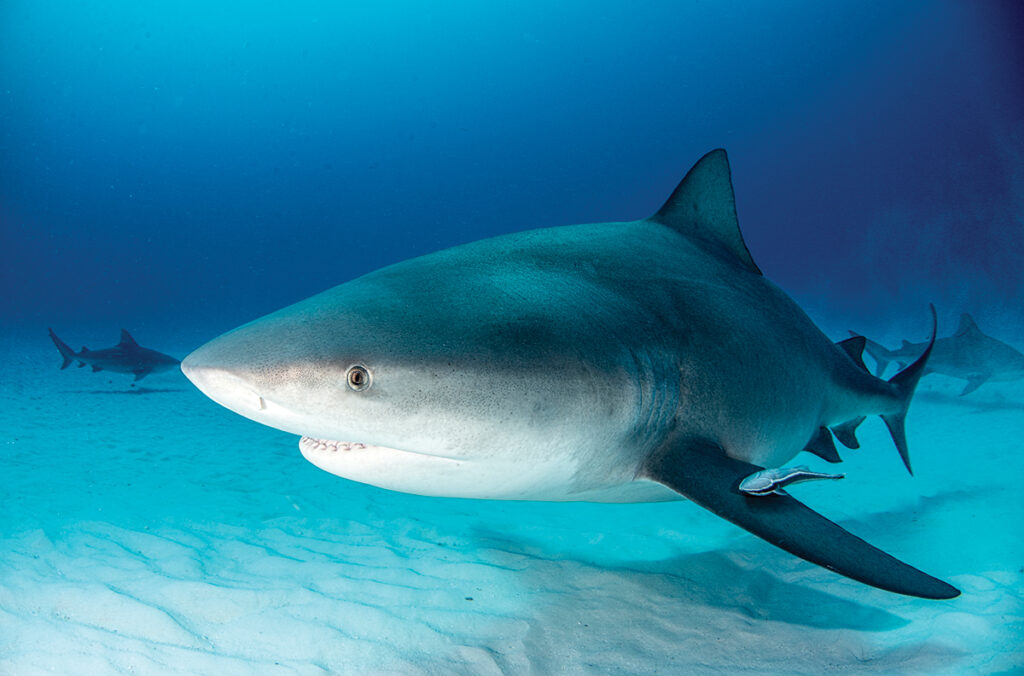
{"x": 638, "y": 361}
{"x": 125, "y": 357}
{"x": 968, "y": 354}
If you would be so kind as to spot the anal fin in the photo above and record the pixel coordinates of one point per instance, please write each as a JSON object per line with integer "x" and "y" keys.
{"x": 702, "y": 472}
{"x": 846, "y": 432}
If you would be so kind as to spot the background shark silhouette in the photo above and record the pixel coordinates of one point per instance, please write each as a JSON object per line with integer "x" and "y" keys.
{"x": 968, "y": 354}
{"x": 125, "y": 357}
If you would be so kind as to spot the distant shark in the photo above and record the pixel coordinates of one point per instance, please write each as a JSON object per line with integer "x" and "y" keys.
{"x": 616, "y": 362}
{"x": 125, "y": 357}
{"x": 968, "y": 354}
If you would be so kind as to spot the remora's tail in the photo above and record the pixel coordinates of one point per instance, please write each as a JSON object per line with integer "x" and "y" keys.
{"x": 905, "y": 382}
{"x": 65, "y": 351}
{"x": 881, "y": 354}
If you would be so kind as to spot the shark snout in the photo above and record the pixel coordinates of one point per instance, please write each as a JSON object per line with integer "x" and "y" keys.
{"x": 229, "y": 387}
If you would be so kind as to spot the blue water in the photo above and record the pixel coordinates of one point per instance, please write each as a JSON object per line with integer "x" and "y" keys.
{"x": 180, "y": 169}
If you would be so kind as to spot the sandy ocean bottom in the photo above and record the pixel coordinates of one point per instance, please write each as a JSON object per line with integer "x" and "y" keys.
{"x": 147, "y": 530}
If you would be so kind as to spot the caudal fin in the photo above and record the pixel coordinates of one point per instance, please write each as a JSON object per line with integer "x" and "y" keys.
{"x": 905, "y": 382}
{"x": 65, "y": 351}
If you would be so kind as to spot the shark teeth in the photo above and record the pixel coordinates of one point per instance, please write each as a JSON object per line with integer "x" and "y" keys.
{"x": 330, "y": 445}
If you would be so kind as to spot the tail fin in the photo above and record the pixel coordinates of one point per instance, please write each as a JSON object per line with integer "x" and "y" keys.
{"x": 881, "y": 354}
{"x": 905, "y": 382}
{"x": 65, "y": 351}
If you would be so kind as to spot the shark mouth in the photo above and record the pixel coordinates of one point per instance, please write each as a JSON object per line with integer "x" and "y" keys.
{"x": 331, "y": 446}
{"x": 312, "y": 445}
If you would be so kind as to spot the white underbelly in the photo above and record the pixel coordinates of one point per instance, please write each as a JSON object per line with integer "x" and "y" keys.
{"x": 490, "y": 479}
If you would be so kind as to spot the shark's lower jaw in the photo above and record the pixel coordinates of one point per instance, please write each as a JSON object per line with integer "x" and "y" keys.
{"x": 312, "y": 446}
{"x": 391, "y": 468}
{"x": 330, "y": 446}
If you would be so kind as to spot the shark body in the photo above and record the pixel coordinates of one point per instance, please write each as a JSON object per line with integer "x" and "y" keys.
{"x": 125, "y": 357}
{"x": 968, "y": 354}
{"x": 638, "y": 361}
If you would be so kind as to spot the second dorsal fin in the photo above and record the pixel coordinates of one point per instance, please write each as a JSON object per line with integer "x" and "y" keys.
{"x": 854, "y": 347}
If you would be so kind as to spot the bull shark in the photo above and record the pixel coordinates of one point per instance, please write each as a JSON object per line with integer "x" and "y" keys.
{"x": 968, "y": 354}
{"x": 618, "y": 362}
{"x": 125, "y": 357}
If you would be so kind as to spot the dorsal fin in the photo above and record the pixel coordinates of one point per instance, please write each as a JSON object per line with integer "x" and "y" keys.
{"x": 854, "y": 347}
{"x": 906, "y": 344}
{"x": 703, "y": 207}
{"x": 127, "y": 340}
{"x": 967, "y": 326}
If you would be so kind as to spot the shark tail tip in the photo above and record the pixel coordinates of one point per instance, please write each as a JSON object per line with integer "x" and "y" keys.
{"x": 66, "y": 352}
{"x": 905, "y": 383}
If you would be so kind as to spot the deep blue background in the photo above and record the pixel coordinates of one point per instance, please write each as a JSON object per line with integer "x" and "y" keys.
{"x": 205, "y": 163}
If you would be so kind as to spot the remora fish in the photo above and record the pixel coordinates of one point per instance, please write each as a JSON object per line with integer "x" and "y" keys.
{"x": 639, "y": 361}
{"x": 968, "y": 354}
{"x": 125, "y": 357}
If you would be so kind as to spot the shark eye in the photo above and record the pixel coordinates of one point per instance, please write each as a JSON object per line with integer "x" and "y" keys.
{"x": 358, "y": 378}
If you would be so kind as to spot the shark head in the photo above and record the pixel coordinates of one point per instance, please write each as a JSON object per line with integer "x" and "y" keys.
{"x": 435, "y": 376}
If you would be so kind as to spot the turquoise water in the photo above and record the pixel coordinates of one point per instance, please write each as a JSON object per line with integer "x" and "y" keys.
{"x": 147, "y": 530}
{"x": 178, "y": 170}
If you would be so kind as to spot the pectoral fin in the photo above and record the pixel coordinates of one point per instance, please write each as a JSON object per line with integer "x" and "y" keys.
{"x": 702, "y": 472}
{"x": 974, "y": 382}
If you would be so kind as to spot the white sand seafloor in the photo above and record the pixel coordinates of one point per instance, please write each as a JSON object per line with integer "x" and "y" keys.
{"x": 147, "y": 530}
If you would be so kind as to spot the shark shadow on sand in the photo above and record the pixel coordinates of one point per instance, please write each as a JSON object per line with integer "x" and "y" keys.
{"x": 717, "y": 578}
{"x": 717, "y": 610}
{"x": 712, "y": 579}
{"x": 137, "y": 391}
{"x": 976, "y": 404}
